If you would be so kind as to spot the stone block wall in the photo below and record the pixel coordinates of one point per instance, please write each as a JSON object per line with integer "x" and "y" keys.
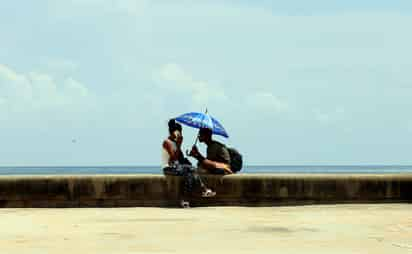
{"x": 236, "y": 190}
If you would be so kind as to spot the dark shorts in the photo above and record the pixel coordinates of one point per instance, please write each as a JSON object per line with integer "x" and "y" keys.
{"x": 190, "y": 180}
{"x": 179, "y": 170}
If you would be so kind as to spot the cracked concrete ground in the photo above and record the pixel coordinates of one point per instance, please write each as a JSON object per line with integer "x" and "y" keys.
{"x": 379, "y": 228}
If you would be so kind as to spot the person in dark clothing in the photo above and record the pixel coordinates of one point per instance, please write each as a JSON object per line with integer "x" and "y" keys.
{"x": 174, "y": 163}
{"x": 217, "y": 160}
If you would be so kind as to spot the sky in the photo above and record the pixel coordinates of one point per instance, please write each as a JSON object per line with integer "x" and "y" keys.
{"x": 94, "y": 82}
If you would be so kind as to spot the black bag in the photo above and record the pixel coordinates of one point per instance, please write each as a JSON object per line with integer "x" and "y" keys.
{"x": 236, "y": 161}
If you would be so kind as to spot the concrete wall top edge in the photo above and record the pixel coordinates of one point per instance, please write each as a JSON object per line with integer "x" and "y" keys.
{"x": 237, "y": 176}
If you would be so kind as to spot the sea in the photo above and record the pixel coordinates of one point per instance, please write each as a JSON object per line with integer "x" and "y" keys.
{"x": 274, "y": 169}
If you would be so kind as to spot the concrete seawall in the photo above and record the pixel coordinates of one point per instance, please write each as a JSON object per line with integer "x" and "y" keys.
{"x": 243, "y": 190}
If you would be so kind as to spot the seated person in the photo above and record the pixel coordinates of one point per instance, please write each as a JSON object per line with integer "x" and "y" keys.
{"x": 174, "y": 163}
{"x": 217, "y": 160}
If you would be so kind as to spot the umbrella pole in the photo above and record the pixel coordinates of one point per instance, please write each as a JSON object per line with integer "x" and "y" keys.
{"x": 197, "y": 138}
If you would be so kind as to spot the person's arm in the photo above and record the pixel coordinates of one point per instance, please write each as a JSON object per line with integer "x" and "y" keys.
{"x": 202, "y": 161}
{"x": 206, "y": 163}
{"x": 168, "y": 146}
{"x": 196, "y": 154}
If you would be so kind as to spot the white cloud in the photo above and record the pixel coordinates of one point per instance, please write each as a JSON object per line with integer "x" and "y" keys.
{"x": 331, "y": 116}
{"x": 13, "y": 85}
{"x": 202, "y": 93}
{"x": 75, "y": 89}
{"x": 39, "y": 99}
{"x": 175, "y": 73}
{"x": 267, "y": 102}
{"x": 61, "y": 66}
{"x": 33, "y": 91}
{"x": 322, "y": 116}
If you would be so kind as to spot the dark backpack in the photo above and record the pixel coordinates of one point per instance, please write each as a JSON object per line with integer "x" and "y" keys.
{"x": 236, "y": 161}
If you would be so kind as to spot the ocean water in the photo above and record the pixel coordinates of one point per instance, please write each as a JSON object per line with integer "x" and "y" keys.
{"x": 101, "y": 170}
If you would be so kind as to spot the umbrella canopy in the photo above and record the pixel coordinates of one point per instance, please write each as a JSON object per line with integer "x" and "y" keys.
{"x": 202, "y": 120}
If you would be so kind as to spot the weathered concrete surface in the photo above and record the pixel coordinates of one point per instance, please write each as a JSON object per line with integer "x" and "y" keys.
{"x": 379, "y": 228}
{"x": 157, "y": 190}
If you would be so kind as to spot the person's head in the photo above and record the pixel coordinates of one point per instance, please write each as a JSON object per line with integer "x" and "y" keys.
{"x": 205, "y": 135}
{"x": 174, "y": 128}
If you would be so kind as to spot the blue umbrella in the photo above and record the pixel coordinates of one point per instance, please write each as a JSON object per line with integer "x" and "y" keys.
{"x": 202, "y": 120}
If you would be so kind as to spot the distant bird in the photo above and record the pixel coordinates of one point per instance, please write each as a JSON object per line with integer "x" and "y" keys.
{"x": 74, "y": 141}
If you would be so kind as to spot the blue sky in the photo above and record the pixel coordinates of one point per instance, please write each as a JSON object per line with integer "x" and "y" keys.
{"x": 296, "y": 82}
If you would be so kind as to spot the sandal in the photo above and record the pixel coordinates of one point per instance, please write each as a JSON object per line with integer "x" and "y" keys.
{"x": 208, "y": 193}
{"x": 184, "y": 204}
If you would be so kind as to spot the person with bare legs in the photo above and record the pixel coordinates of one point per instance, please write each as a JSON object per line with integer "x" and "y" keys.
{"x": 174, "y": 163}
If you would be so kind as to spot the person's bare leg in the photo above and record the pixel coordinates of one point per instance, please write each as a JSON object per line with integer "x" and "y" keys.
{"x": 206, "y": 191}
{"x": 210, "y": 165}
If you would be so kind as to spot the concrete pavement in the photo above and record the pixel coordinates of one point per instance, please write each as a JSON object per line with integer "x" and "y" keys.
{"x": 379, "y": 228}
